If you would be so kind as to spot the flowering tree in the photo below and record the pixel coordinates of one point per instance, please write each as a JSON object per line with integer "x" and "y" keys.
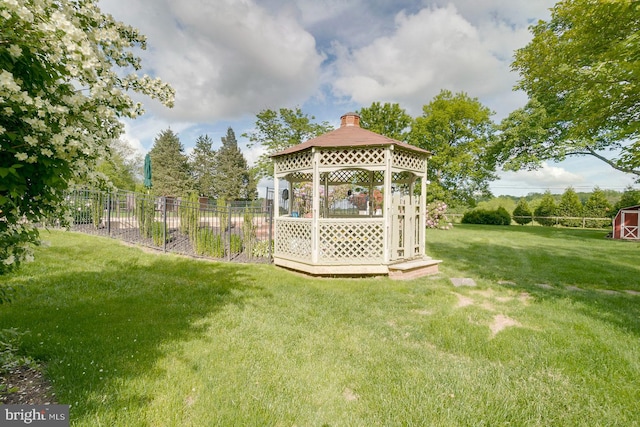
{"x": 437, "y": 216}
{"x": 63, "y": 88}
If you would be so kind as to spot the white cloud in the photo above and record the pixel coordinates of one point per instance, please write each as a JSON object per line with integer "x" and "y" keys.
{"x": 432, "y": 50}
{"x": 224, "y": 58}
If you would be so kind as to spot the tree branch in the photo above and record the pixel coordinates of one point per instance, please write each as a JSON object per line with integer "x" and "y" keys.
{"x": 613, "y": 164}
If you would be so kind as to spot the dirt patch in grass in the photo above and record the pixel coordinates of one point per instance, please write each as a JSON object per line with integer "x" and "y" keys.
{"x": 463, "y": 301}
{"x": 25, "y": 386}
{"x": 500, "y": 322}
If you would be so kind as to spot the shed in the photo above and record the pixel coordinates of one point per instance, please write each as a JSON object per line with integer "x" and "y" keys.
{"x": 349, "y": 206}
{"x": 626, "y": 223}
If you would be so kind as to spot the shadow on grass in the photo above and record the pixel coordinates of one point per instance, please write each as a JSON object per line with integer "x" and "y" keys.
{"x": 97, "y": 331}
{"x": 577, "y": 264}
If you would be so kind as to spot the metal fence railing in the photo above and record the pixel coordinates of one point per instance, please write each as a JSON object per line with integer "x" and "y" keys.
{"x": 241, "y": 232}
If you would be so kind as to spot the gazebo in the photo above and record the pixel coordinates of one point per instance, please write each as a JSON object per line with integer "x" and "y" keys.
{"x": 348, "y": 206}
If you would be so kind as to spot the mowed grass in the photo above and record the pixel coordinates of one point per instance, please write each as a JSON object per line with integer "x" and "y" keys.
{"x": 131, "y": 338}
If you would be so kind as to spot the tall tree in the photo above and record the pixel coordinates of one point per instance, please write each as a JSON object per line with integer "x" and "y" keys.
{"x": 202, "y": 166}
{"x": 458, "y": 130}
{"x": 570, "y": 206}
{"x": 597, "y": 206}
{"x": 630, "y": 197}
{"x": 171, "y": 176}
{"x": 388, "y": 120}
{"x": 63, "y": 90}
{"x": 276, "y": 131}
{"x": 232, "y": 179}
{"x": 581, "y": 71}
{"x": 122, "y": 166}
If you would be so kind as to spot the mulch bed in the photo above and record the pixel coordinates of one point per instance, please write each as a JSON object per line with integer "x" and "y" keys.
{"x": 25, "y": 386}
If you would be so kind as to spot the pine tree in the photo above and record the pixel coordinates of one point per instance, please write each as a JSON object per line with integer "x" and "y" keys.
{"x": 546, "y": 209}
{"x": 570, "y": 206}
{"x": 597, "y": 207}
{"x": 202, "y": 164}
{"x": 522, "y": 213}
{"x": 170, "y": 166}
{"x": 233, "y": 180}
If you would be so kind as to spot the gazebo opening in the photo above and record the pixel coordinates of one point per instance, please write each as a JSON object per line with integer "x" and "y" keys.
{"x": 353, "y": 204}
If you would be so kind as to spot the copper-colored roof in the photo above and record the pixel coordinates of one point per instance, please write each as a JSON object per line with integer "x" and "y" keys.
{"x": 350, "y": 136}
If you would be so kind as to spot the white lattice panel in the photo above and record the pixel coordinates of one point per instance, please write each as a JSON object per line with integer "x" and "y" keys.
{"x": 372, "y": 156}
{"x": 294, "y": 162}
{"x": 293, "y": 239}
{"x": 345, "y": 242}
{"x": 410, "y": 161}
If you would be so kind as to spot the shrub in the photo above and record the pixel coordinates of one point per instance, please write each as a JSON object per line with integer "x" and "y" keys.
{"x": 210, "y": 244}
{"x": 158, "y": 233}
{"x": 235, "y": 244}
{"x": 522, "y": 213}
{"x": 436, "y": 216}
{"x": 498, "y": 216}
{"x": 261, "y": 249}
{"x": 546, "y": 210}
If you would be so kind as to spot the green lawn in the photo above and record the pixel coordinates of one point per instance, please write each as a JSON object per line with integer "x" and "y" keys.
{"x": 132, "y": 338}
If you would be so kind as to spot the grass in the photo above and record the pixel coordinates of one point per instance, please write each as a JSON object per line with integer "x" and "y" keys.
{"x": 133, "y": 339}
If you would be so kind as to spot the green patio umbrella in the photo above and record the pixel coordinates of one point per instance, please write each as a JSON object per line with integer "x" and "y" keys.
{"x": 147, "y": 171}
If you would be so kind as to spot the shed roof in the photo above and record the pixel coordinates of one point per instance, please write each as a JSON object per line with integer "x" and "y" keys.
{"x": 350, "y": 134}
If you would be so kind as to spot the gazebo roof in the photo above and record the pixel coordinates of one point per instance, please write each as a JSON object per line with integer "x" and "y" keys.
{"x": 350, "y": 134}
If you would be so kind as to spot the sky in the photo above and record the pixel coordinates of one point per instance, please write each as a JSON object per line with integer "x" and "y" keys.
{"x": 230, "y": 59}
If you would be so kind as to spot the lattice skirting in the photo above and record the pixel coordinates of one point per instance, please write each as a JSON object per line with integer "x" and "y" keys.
{"x": 293, "y": 239}
{"x": 351, "y": 242}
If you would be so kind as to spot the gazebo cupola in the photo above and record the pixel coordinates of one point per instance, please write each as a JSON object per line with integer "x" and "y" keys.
{"x": 348, "y": 206}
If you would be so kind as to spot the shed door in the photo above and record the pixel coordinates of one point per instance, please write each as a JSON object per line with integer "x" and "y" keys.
{"x": 629, "y": 225}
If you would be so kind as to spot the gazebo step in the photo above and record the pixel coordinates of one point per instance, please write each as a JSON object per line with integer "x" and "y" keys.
{"x": 413, "y": 269}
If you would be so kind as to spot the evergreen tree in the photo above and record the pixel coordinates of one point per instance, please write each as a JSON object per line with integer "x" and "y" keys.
{"x": 597, "y": 207}
{"x": 570, "y": 206}
{"x": 630, "y": 197}
{"x": 545, "y": 210}
{"x": 522, "y": 213}
{"x": 171, "y": 176}
{"x": 232, "y": 179}
{"x": 202, "y": 165}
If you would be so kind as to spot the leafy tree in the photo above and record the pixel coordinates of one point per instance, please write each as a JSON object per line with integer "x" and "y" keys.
{"x": 630, "y": 197}
{"x": 232, "y": 178}
{"x": 545, "y": 210}
{"x": 171, "y": 175}
{"x": 458, "y": 130}
{"x": 276, "y": 131}
{"x": 122, "y": 166}
{"x": 570, "y": 206}
{"x": 522, "y": 213}
{"x": 202, "y": 166}
{"x": 63, "y": 89}
{"x": 597, "y": 207}
{"x": 582, "y": 74}
{"x": 389, "y": 120}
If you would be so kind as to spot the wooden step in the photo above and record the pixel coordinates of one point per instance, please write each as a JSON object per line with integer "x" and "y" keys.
{"x": 413, "y": 269}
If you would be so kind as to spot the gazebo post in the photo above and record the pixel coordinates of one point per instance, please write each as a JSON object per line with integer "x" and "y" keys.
{"x": 387, "y": 212}
{"x": 315, "y": 211}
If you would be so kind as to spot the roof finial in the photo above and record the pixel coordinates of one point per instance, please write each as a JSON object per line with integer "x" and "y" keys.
{"x": 350, "y": 119}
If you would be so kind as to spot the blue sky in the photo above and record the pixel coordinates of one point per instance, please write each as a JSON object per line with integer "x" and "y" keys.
{"x": 230, "y": 59}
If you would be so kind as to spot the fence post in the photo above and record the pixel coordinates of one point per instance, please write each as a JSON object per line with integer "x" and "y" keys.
{"x": 109, "y": 214}
{"x": 270, "y": 211}
{"x": 164, "y": 223}
{"x": 229, "y": 231}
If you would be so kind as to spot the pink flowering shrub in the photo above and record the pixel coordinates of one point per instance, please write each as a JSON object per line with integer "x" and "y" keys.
{"x": 437, "y": 217}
